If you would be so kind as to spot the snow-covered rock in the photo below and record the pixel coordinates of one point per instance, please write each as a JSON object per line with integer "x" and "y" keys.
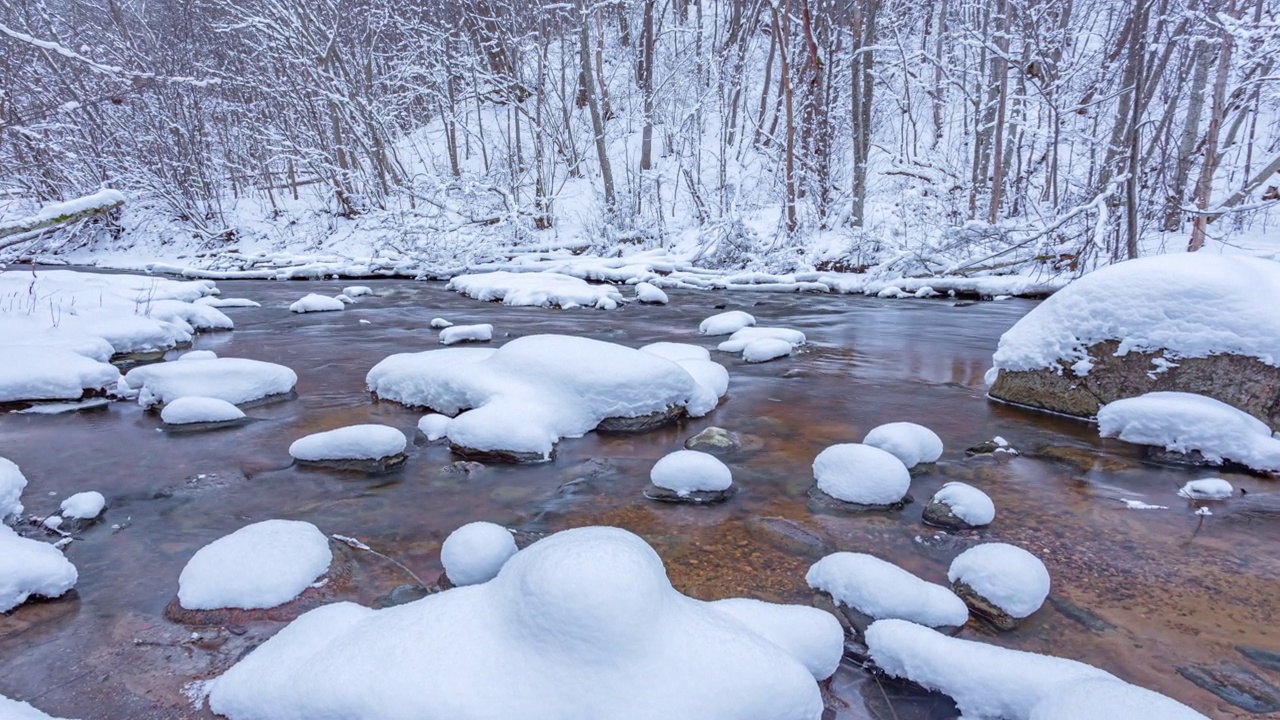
{"x": 258, "y": 566}
{"x": 312, "y": 302}
{"x": 726, "y": 323}
{"x": 16, "y": 710}
{"x": 861, "y": 474}
{"x": 1207, "y": 489}
{"x": 30, "y": 567}
{"x": 519, "y": 400}
{"x": 911, "y": 443}
{"x": 812, "y": 636}
{"x": 711, "y": 375}
{"x": 195, "y": 409}
{"x": 989, "y": 682}
{"x": 344, "y": 299}
{"x": 880, "y": 590}
{"x": 1186, "y": 423}
{"x": 356, "y": 291}
{"x": 677, "y": 352}
{"x": 434, "y": 426}
{"x": 536, "y": 289}
{"x": 1000, "y": 581}
{"x": 219, "y": 302}
{"x": 650, "y": 294}
{"x": 475, "y": 552}
{"x": 958, "y": 506}
{"x": 199, "y": 355}
{"x": 12, "y": 482}
{"x": 740, "y": 339}
{"x": 582, "y": 624}
{"x": 689, "y": 471}
{"x": 440, "y": 323}
{"x": 234, "y": 380}
{"x": 353, "y": 442}
{"x": 38, "y": 372}
{"x": 466, "y": 333}
{"x": 766, "y": 349}
{"x": 84, "y": 505}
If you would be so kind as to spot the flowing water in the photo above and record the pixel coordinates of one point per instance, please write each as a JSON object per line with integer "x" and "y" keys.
{"x": 1140, "y": 592}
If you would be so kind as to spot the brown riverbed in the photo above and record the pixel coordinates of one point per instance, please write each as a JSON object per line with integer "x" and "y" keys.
{"x": 1160, "y": 588}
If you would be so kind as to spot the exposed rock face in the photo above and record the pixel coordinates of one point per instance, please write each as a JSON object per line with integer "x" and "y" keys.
{"x": 714, "y": 440}
{"x": 984, "y": 608}
{"x": 643, "y": 423}
{"x": 1244, "y": 382}
{"x": 696, "y": 497}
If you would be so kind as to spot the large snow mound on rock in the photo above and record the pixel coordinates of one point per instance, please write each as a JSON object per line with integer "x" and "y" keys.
{"x": 882, "y": 590}
{"x": 1186, "y": 422}
{"x": 1005, "y": 575}
{"x": 1189, "y": 305}
{"x": 861, "y": 474}
{"x": 536, "y": 289}
{"x": 30, "y": 567}
{"x": 234, "y": 380}
{"x": 258, "y": 566}
{"x": 353, "y": 442}
{"x": 527, "y": 395}
{"x": 994, "y": 683}
{"x": 581, "y": 624}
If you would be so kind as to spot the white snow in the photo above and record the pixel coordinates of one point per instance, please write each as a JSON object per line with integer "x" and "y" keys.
{"x": 30, "y": 567}
{"x": 353, "y": 442}
{"x": 1187, "y": 304}
{"x": 84, "y": 505}
{"x": 475, "y": 552}
{"x": 434, "y": 426}
{"x": 726, "y": 323}
{"x": 12, "y": 483}
{"x": 689, "y": 471}
{"x": 466, "y": 333}
{"x": 199, "y": 355}
{"x": 883, "y": 590}
{"x": 356, "y": 291}
{"x": 740, "y": 339}
{"x": 536, "y": 289}
{"x": 711, "y": 375}
{"x": 1140, "y": 505}
{"x": 861, "y": 474}
{"x": 651, "y": 294}
{"x": 312, "y": 302}
{"x": 581, "y": 624}
{"x": 1207, "y": 489}
{"x": 235, "y": 380}
{"x": 766, "y": 349}
{"x": 218, "y": 302}
{"x": 1184, "y": 422}
{"x": 526, "y": 395}
{"x": 812, "y": 636}
{"x": 195, "y": 409}
{"x": 677, "y": 352}
{"x": 994, "y": 683}
{"x": 16, "y": 710}
{"x": 344, "y": 298}
{"x": 1007, "y": 576}
{"x": 104, "y": 198}
{"x": 967, "y": 503}
{"x": 911, "y": 443}
{"x": 440, "y": 323}
{"x": 258, "y": 566}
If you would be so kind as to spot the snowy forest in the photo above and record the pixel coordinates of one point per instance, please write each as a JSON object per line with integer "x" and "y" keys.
{"x": 946, "y": 137}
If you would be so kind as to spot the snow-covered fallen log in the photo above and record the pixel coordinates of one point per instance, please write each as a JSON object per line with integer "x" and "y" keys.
{"x": 60, "y": 213}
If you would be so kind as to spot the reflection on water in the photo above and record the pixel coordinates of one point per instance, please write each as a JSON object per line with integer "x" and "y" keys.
{"x": 1174, "y": 590}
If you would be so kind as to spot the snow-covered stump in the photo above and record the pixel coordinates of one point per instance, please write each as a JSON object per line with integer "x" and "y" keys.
{"x": 1192, "y": 429}
{"x": 958, "y": 506}
{"x": 1108, "y": 336}
{"x": 867, "y": 589}
{"x": 1001, "y": 583}
{"x": 30, "y": 568}
{"x": 857, "y": 477}
{"x": 361, "y": 448}
{"x": 689, "y": 476}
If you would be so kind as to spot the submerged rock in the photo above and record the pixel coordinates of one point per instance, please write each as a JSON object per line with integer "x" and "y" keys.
{"x": 1237, "y": 685}
{"x": 788, "y": 536}
{"x": 715, "y": 439}
{"x": 401, "y": 595}
{"x": 1262, "y": 657}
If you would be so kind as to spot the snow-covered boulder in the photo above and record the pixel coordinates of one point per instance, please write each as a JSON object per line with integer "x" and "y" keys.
{"x": 1187, "y": 322}
{"x": 356, "y": 291}
{"x": 726, "y": 323}
{"x": 689, "y": 476}
{"x": 440, "y": 323}
{"x": 581, "y": 624}
{"x": 475, "y": 552}
{"x": 812, "y": 636}
{"x": 219, "y": 302}
{"x": 466, "y": 333}
{"x": 258, "y": 566}
{"x": 677, "y": 352}
{"x": 650, "y": 294}
{"x": 344, "y": 299}
{"x": 1207, "y": 489}
{"x": 536, "y": 289}
{"x": 85, "y": 505}
{"x": 199, "y": 355}
{"x": 193, "y": 409}
{"x": 1192, "y": 425}
{"x": 739, "y": 340}
{"x": 766, "y": 349}
{"x": 375, "y": 446}
{"x": 30, "y": 567}
{"x": 312, "y": 302}
{"x": 16, "y": 710}
{"x": 234, "y": 380}
{"x": 12, "y": 483}
{"x": 516, "y": 402}
{"x": 879, "y": 590}
{"x": 987, "y": 681}
{"x": 957, "y": 506}
{"x": 861, "y": 474}
{"x": 434, "y": 426}
{"x": 1000, "y": 582}
{"x": 911, "y": 443}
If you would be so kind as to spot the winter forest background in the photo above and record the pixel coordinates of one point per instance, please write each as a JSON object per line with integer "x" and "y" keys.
{"x": 918, "y": 138}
